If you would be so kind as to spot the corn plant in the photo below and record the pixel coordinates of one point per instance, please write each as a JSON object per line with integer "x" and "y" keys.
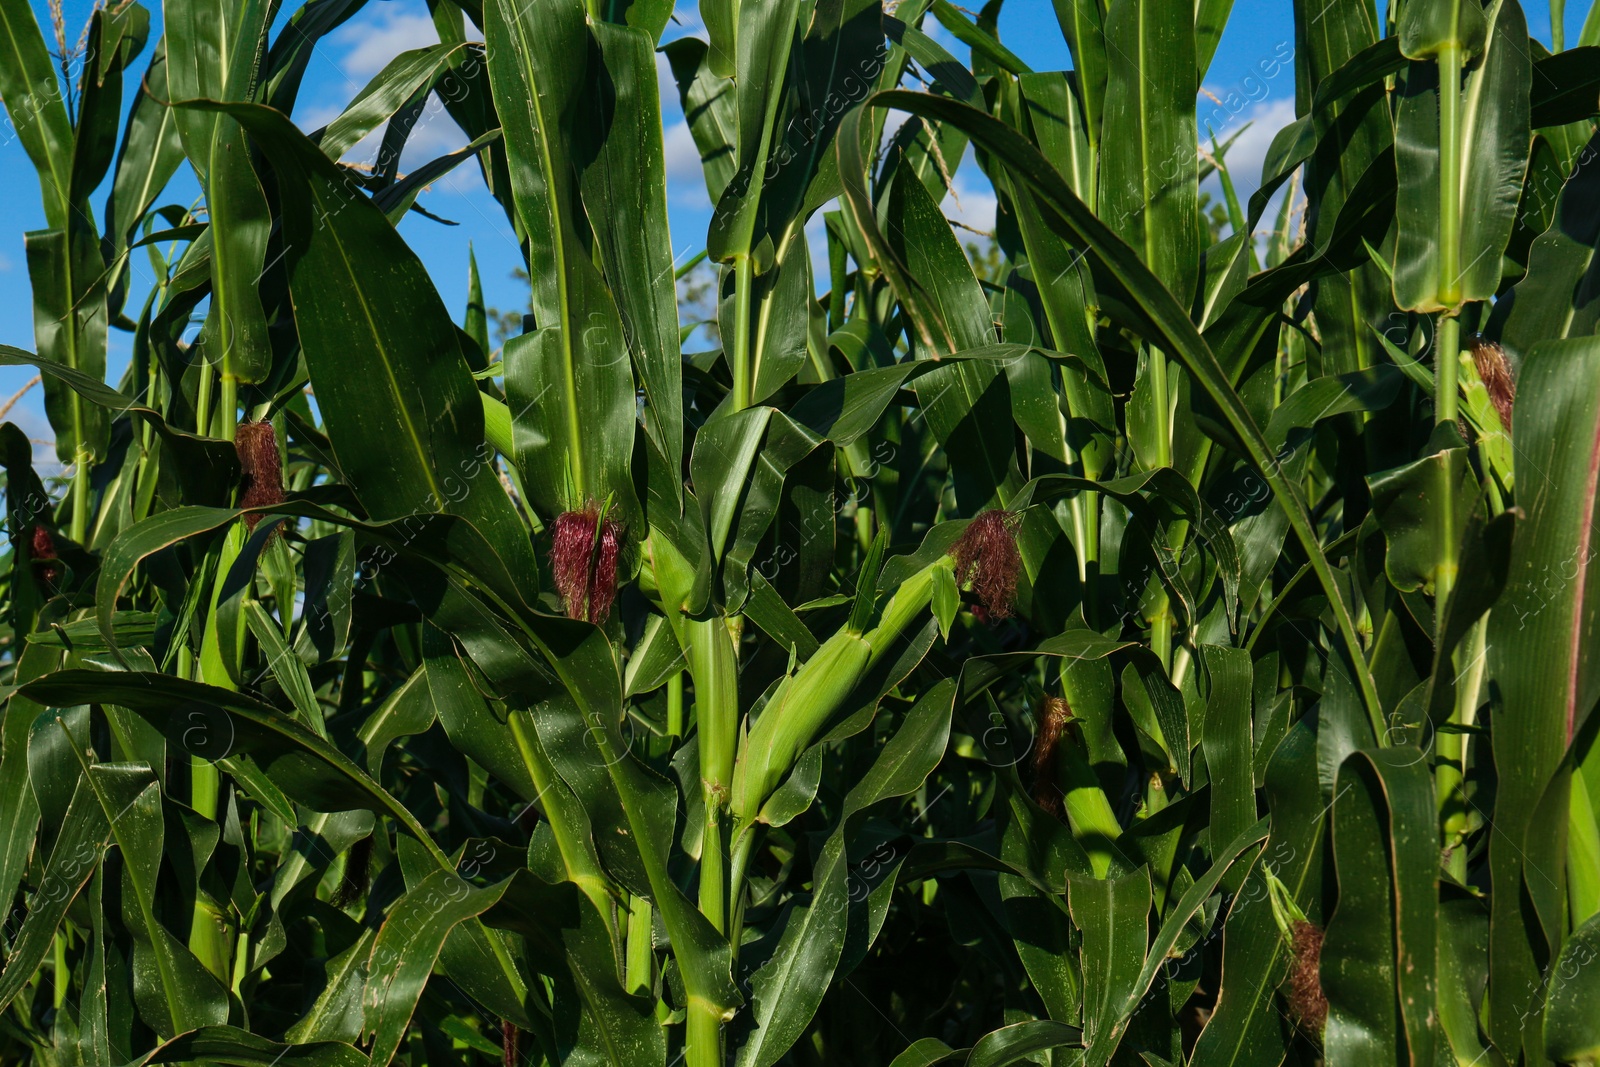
{"x": 1177, "y": 645}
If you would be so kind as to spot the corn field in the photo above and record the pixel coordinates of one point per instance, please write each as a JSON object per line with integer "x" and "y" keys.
{"x": 1171, "y": 640}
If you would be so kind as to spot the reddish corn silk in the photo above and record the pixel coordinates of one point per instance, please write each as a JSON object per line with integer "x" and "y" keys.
{"x": 260, "y": 468}
{"x": 42, "y": 543}
{"x": 986, "y": 555}
{"x": 1495, "y": 371}
{"x": 1310, "y": 1004}
{"x": 585, "y": 565}
{"x": 1054, "y": 714}
{"x": 510, "y": 1044}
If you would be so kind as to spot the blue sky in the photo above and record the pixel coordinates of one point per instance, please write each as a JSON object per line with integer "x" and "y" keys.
{"x": 1258, "y": 30}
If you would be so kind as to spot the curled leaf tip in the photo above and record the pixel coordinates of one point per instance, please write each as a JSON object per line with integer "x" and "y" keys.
{"x": 583, "y": 561}
{"x": 260, "y": 468}
{"x": 986, "y": 556}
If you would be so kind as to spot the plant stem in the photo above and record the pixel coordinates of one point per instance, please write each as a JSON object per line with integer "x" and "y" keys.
{"x": 58, "y": 956}
{"x": 714, "y": 869}
{"x": 1156, "y": 367}
{"x": 202, "y": 400}
{"x": 743, "y": 278}
{"x": 713, "y": 662}
{"x": 1450, "y": 774}
{"x": 743, "y": 843}
{"x": 1449, "y": 285}
{"x": 1161, "y": 617}
{"x": 205, "y": 785}
{"x": 1089, "y": 569}
{"x": 1445, "y": 367}
{"x": 675, "y": 704}
{"x": 703, "y": 1047}
{"x": 241, "y": 961}
{"x": 641, "y": 947}
{"x": 79, "y": 530}
{"x": 229, "y": 405}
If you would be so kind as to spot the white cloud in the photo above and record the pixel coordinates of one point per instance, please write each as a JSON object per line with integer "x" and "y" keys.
{"x": 683, "y": 155}
{"x": 30, "y": 419}
{"x": 311, "y": 119}
{"x": 690, "y": 196}
{"x": 667, "y": 85}
{"x": 971, "y": 201}
{"x": 434, "y": 134}
{"x": 686, "y": 183}
{"x": 373, "y": 46}
{"x": 1249, "y": 152}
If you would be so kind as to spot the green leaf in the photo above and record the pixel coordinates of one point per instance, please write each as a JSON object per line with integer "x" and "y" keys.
{"x": 1112, "y": 913}
{"x": 202, "y": 462}
{"x": 918, "y": 254}
{"x": 213, "y": 51}
{"x": 709, "y": 108}
{"x": 1427, "y": 27}
{"x": 595, "y": 1018}
{"x": 32, "y": 94}
{"x": 1066, "y": 289}
{"x": 401, "y": 79}
{"x": 786, "y": 991}
{"x": 16, "y": 793}
{"x": 569, "y": 384}
{"x": 234, "y": 1047}
{"x": 1149, "y": 171}
{"x": 1541, "y": 638}
{"x": 174, "y": 991}
{"x": 1463, "y": 973}
{"x": 1164, "y": 320}
{"x": 1018, "y": 1042}
{"x": 1571, "y": 1030}
{"x": 1494, "y": 131}
{"x": 1226, "y": 741}
{"x": 1566, "y": 86}
{"x": 68, "y": 277}
{"x": 407, "y": 949}
{"x": 400, "y": 405}
{"x": 625, "y": 193}
{"x": 765, "y": 35}
{"x": 150, "y": 155}
{"x": 1245, "y": 1027}
{"x": 1210, "y": 20}
{"x": 79, "y": 845}
{"x": 924, "y": 1052}
{"x": 1378, "y": 959}
{"x": 291, "y": 53}
{"x": 1103, "y": 1044}
{"x": 840, "y": 57}
{"x": 308, "y": 768}
{"x": 285, "y": 666}
{"x": 1083, "y": 25}
{"x": 1558, "y": 296}
{"x": 1405, "y": 502}
{"x": 337, "y": 1015}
